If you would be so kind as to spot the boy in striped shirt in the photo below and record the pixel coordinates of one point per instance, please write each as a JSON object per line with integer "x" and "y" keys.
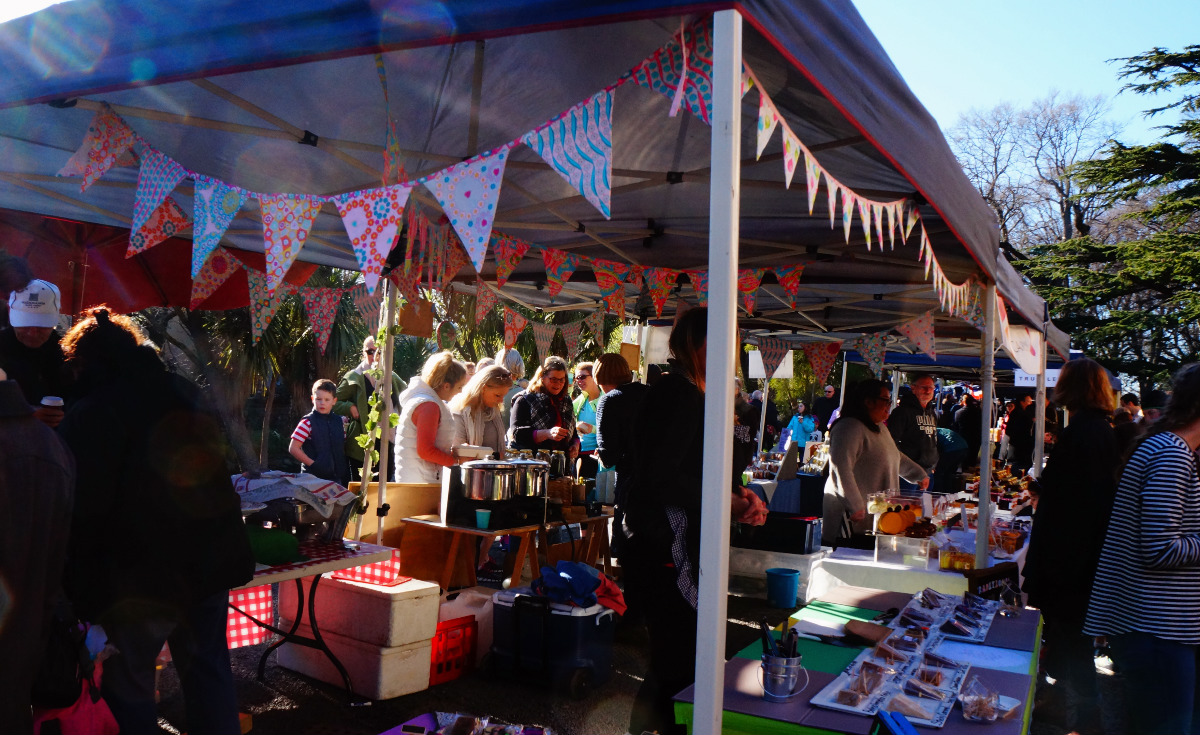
{"x": 318, "y": 441}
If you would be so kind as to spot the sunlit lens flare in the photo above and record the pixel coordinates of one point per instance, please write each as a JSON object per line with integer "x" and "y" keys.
{"x": 14, "y": 9}
{"x": 70, "y": 37}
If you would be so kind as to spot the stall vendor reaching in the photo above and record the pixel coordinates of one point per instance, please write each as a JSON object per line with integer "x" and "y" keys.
{"x": 425, "y": 436}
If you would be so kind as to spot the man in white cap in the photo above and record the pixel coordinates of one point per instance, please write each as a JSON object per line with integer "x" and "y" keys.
{"x": 29, "y": 349}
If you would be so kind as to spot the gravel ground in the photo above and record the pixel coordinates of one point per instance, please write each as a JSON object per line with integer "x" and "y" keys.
{"x": 287, "y": 703}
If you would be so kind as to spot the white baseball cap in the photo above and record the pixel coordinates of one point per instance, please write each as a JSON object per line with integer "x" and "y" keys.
{"x": 36, "y": 305}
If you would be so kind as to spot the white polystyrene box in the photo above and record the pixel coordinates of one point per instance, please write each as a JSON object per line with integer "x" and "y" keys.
{"x": 376, "y": 672}
{"x": 372, "y": 613}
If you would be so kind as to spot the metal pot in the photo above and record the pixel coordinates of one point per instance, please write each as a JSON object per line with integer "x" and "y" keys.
{"x": 485, "y": 479}
{"x": 533, "y": 477}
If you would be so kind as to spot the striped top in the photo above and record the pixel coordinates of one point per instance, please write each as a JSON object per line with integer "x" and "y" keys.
{"x": 1149, "y": 575}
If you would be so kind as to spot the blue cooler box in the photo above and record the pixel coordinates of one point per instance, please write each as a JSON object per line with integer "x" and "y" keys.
{"x": 569, "y": 646}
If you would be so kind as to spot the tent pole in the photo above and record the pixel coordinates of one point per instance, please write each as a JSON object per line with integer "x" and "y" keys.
{"x": 845, "y": 370}
{"x": 762, "y": 418}
{"x": 987, "y": 357}
{"x": 1039, "y": 426}
{"x": 389, "y": 320}
{"x": 895, "y": 387}
{"x": 724, "y": 213}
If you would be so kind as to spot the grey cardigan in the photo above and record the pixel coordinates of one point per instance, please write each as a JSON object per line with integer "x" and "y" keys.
{"x": 861, "y": 462}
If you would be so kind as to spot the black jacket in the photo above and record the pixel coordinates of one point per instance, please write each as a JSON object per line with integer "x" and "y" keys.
{"x": 39, "y": 372}
{"x": 156, "y": 519}
{"x": 915, "y": 431}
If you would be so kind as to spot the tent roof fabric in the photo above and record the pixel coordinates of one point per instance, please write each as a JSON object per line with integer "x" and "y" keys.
{"x": 222, "y": 87}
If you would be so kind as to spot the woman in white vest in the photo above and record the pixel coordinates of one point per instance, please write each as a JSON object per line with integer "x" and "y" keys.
{"x": 476, "y": 410}
{"x": 425, "y": 436}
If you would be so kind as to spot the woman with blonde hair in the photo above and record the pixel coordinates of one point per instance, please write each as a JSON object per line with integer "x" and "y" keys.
{"x": 425, "y": 436}
{"x": 477, "y": 409}
{"x": 512, "y": 361}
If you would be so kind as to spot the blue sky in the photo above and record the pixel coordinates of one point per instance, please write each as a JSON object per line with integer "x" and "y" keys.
{"x": 969, "y": 54}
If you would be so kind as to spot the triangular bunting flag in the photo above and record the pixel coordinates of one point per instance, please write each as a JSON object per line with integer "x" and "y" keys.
{"x": 468, "y": 192}
{"x": 822, "y": 355}
{"x": 514, "y": 324}
{"x": 747, "y": 284}
{"x": 456, "y": 260}
{"x": 872, "y": 348}
{"x": 321, "y": 305}
{"x": 659, "y": 282}
{"x": 661, "y": 70}
{"x": 217, "y": 269}
{"x": 791, "y": 155}
{"x": 485, "y": 300}
{"x": 595, "y": 323}
{"x": 166, "y": 221}
{"x": 369, "y": 305}
{"x": 891, "y": 218}
{"x": 812, "y": 179}
{"x": 864, "y": 214}
{"x": 910, "y": 218}
{"x": 772, "y": 350}
{"x": 508, "y": 252}
{"x": 636, "y": 275}
{"x": 877, "y": 218}
{"x": 1001, "y": 321}
{"x": 831, "y": 192}
{"x": 214, "y": 206}
{"x": 108, "y": 139}
{"x": 789, "y": 279}
{"x": 971, "y": 310}
{"x": 768, "y": 118}
{"x": 920, "y": 332}
{"x": 373, "y": 219}
{"x": 699, "y": 281}
{"x": 570, "y": 333}
{"x": 559, "y": 266}
{"x": 578, "y": 145}
{"x": 543, "y": 335}
{"x": 157, "y": 177}
{"x": 408, "y": 284}
{"x": 747, "y": 82}
{"x": 849, "y": 199}
{"x": 264, "y": 302}
{"x": 612, "y": 290}
{"x": 286, "y": 221}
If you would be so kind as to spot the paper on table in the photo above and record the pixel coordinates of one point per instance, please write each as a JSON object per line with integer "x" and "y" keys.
{"x": 987, "y": 657}
{"x": 813, "y": 627}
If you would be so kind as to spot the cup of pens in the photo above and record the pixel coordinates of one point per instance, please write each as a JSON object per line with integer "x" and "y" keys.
{"x": 781, "y": 666}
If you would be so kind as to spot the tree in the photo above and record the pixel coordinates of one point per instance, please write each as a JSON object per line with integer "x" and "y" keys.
{"x": 1131, "y": 299}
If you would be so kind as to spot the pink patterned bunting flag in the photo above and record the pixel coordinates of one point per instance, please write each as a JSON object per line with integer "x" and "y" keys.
{"x": 773, "y": 350}
{"x": 812, "y": 179}
{"x": 699, "y": 281}
{"x": 264, "y": 302}
{"x": 214, "y": 206}
{"x": 789, "y": 279}
{"x": 920, "y": 332}
{"x": 663, "y": 70}
{"x": 108, "y": 139}
{"x": 509, "y": 252}
{"x": 216, "y": 270}
{"x": 514, "y": 324}
{"x": 877, "y": 218}
{"x": 369, "y": 305}
{"x": 848, "y": 201}
{"x": 578, "y": 145}
{"x": 570, "y": 333}
{"x": 286, "y": 221}
{"x": 321, "y": 305}
{"x": 166, "y": 221}
{"x": 468, "y": 192}
{"x": 595, "y": 323}
{"x": 864, "y": 216}
{"x": 612, "y": 290}
{"x": 485, "y": 300}
{"x": 559, "y": 266}
{"x": 748, "y": 282}
{"x": 768, "y": 119}
{"x": 543, "y": 335}
{"x": 157, "y": 177}
{"x": 373, "y": 218}
{"x": 910, "y": 218}
{"x": 893, "y": 213}
{"x": 659, "y": 282}
{"x": 822, "y": 355}
{"x": 831, "y": 192}
{"x": 971, "y": 310}
{"x": 636, "y": 276}
{"x": 456, "y": 260}
{"x": 791, "y": 155}
{"x": 747, "y": 82}
{"x": 408, "y": 284}
{"x": 872, "y": 348}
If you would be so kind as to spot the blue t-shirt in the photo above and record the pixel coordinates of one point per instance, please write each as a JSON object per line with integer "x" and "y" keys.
{"x": 587, "y": 414}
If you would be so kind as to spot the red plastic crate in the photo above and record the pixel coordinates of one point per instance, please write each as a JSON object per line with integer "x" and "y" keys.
{"x": 453, "y": 649}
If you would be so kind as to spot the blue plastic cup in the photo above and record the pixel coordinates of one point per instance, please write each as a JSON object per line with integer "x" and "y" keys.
{"x": 483, "y": 517}
{"x": 783, "y": 586}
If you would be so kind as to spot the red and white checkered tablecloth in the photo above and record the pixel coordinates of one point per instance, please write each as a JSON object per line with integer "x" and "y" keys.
{"x": 257, "y": 602}
{"x": 386, "y": 573}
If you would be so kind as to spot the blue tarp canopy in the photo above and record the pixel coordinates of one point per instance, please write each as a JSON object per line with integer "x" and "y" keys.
{"x": 229, "y": 88}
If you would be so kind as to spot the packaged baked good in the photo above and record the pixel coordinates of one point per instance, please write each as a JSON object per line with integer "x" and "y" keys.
{"x": 931, "y": 598}
{"x": 954, "y": 627}
{"x": 915, "y": 618}
{"x": 930, "y": 675}
{"x": 918, "y": 688}
{"x": 889, "y": 654}
{"x": 903, "y": 642}
{"x": 907, "y": 706}
{"x": 979, "y": 703}
{"x": 850, "y": 698}
{"x": 933, "y": 659}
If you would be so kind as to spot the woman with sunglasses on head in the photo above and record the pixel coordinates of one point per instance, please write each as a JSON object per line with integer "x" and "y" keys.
{"x": 863, "y": 459}
{"x": 542, "y": 416}
{"x": 477, "y": 409}
{"x": 353, "y": 396}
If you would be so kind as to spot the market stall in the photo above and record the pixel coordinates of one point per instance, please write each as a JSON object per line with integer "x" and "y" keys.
{"x": 268, "y": 125}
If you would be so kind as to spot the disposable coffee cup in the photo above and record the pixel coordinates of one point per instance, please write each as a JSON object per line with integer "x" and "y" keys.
{"x": 52, "y": 402}
{"x": 483, "y": 517}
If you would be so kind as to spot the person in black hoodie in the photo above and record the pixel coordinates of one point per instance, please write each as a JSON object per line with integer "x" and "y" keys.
{"x": 1019, "y": 431}
{"x": 913, "y": 423}
{"x": 157, "y": 539}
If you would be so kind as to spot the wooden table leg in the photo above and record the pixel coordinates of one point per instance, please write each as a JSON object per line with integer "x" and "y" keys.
{"x": 448, "y": 570}
{"x": 524, "y": 542}
{"x": 606, "y": 548}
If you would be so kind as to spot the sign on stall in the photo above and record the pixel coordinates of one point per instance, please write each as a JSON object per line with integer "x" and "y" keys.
{"x": 1024, "y": 379}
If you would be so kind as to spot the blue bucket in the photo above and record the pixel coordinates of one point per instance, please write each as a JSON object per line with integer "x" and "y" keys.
{"x": 783, "y": 586}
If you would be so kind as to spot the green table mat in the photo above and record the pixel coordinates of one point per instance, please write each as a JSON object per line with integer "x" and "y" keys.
{"x": 817, "y": 656}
